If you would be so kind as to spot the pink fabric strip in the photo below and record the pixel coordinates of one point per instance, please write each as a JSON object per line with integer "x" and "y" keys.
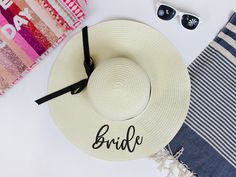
{"x": 22, "y": 53}
{"x": 5, "y": 74}
{"x": 45, "y": 17}
{"x": 11, "y": 61}
{"x": 17, "y": 50}
{"x": 20, "y": 41}
{"x": 38, "y": 22}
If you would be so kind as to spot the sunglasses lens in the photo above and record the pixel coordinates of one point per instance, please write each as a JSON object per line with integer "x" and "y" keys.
{"x": 165, "y": 12}
{"x": 190, "y": 22}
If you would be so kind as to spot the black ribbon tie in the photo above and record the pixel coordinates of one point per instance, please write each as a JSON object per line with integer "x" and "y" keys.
{"x": 78, "y": 86}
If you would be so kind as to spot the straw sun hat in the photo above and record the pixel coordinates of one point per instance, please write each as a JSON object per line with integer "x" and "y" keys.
{"x": 136, "y": 97}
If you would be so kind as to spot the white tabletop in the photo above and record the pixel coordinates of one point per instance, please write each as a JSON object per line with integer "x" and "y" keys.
{"x": 30, "y": 143}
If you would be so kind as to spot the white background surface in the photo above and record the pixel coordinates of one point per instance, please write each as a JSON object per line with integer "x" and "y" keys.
{"x": 31, "y": 145}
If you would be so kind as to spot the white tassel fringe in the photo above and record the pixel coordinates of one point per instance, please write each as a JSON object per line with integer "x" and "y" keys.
{"x": 168, "y": 161}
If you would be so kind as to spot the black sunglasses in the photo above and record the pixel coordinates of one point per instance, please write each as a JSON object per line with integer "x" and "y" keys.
{"x": 167, "y": 12}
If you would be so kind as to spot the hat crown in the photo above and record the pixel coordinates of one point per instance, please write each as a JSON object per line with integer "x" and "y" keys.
{"x": 119, "y": 89}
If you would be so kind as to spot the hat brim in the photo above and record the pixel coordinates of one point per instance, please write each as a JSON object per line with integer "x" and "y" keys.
{"x": 170, "y": 89}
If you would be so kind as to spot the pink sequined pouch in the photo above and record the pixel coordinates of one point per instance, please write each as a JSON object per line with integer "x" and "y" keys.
{"x": 29, "y": 30}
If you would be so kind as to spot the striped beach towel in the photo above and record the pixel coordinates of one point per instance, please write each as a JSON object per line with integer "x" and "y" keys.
{"x": 29, "y": 30}
{"x": 206, "y": 144}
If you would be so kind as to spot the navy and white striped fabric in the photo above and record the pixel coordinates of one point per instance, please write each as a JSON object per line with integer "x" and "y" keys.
{"x": 208, "y": 135}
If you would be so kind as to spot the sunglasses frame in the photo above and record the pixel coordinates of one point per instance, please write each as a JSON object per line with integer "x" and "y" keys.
{"x": 178, "y": 14}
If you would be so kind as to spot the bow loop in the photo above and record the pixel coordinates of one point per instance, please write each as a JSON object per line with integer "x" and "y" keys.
{"x": 89, "y": 66}
{"x": 79, "y": 86}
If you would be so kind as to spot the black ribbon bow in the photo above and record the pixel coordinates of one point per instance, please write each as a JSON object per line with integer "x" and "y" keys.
{"x": 79, "y": 86}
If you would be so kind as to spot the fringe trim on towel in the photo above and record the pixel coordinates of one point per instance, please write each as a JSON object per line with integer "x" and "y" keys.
{"x": 168, "y": 161}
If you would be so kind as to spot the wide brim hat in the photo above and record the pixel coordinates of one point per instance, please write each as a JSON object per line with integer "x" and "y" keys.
{"x": 136, "y": 99}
